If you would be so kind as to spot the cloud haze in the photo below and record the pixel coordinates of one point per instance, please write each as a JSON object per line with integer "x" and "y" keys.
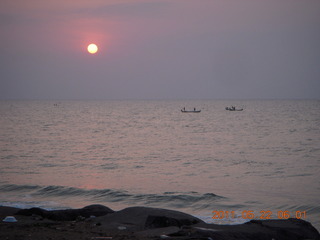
{"x": 160, "y": 49}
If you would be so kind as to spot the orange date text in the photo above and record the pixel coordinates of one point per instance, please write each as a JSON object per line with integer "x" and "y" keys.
{"x": 263, "y": 214}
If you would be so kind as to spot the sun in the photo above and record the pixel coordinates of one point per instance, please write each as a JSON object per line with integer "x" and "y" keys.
{"x": 92, "y": 48}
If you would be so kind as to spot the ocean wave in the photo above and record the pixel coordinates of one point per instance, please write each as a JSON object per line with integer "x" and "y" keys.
{"x": 14, "y": 187}
{"x": 193, "y": 200}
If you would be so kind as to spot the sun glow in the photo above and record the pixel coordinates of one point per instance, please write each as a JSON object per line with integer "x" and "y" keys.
{"x": 92, "y": 48}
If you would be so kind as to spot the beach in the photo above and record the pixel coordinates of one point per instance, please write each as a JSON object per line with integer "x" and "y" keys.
{"x": 139, "y": 223}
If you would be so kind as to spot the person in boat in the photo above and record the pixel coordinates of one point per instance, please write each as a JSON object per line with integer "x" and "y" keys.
{"x": 194, "y": 109}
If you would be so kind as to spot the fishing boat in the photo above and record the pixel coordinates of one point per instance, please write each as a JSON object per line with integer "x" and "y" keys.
{"x": 232, "y": 108}
{"x": 192, "y": 111}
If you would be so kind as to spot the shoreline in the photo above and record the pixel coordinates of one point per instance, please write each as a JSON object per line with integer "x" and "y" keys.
{"x": 100, "y": 222}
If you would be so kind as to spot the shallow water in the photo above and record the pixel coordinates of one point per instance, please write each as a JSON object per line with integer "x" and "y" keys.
{"x": 128, "y": 153}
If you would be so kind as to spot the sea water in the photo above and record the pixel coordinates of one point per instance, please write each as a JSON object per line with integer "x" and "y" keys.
{"x": 225, "y": 167}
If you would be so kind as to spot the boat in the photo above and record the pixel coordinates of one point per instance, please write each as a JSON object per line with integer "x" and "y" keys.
{"x": 232, "y": 108}
{"x": 192, "y": 111}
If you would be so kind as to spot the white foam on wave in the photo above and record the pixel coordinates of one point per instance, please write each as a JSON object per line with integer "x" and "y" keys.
{"x": 228, "y": 221}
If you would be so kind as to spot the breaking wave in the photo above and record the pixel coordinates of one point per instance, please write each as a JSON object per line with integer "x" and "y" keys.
{"x": 192, "y": 200}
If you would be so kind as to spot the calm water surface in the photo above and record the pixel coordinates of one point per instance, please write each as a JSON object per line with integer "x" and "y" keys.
{"x": 128, "y": 153}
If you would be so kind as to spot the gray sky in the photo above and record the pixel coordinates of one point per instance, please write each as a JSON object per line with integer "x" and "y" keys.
{"x": 160, "y": 49}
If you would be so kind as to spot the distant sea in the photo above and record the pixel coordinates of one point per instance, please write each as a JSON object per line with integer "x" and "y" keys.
{"x": 69, "y": 154}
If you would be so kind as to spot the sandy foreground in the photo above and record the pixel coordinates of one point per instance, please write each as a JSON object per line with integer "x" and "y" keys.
{"x": 97, "y": 222}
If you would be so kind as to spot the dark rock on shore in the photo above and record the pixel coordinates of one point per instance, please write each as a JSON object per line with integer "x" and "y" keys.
{"x": 149, "y": 222}
{"x": 144, "y": 224}
{"x": 163, "y": 221}
{"x": 68, "y": 214}
{"x": 141, "y": 218}
{"x": 290, "y": 229}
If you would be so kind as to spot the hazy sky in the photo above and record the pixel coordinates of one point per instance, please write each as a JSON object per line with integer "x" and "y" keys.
{"x": 160, "y": 49}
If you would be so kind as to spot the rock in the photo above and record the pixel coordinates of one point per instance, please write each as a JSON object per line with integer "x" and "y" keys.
{"x": 164, "y": 221}
{"x": 6, "y": 211}
{"x": 154, "y": 223}
{"x": 32, "y": 211}
{"x": 142, "y": 218}
{"x": 157, "y": 232}
{"x": 68, "y": 214}
{"x": 290, "y": 229}
{"x": 96, "y": 210}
